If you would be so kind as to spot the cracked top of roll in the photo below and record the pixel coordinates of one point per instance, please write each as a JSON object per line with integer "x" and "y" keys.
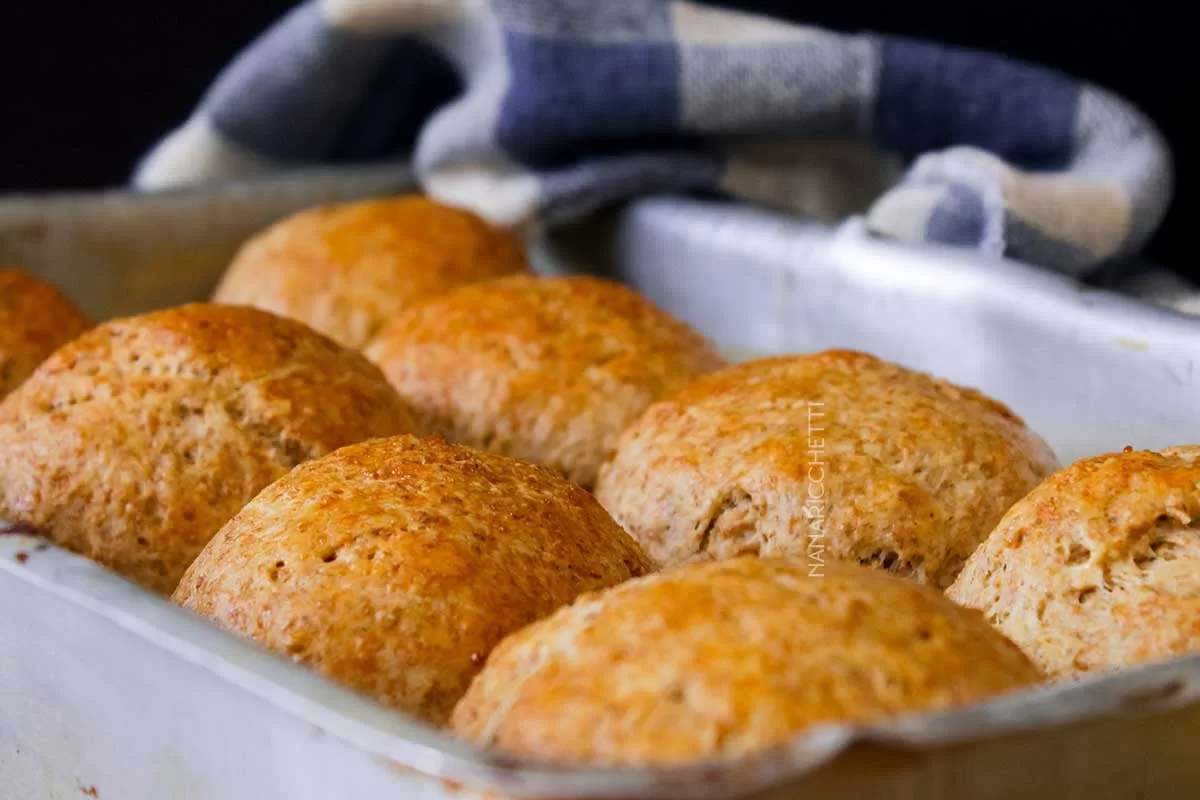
{"x": 395, "y": 565}
{"x": 719, "y": 660}
{"x": 831, "y": 456}
{"x": 133, "y": 444}
{"x": 1099, "y": 567}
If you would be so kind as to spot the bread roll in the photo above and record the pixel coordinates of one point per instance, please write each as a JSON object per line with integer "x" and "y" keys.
{"x": 347, "y": 269}
{"x": 1099, "y": 567}
{"x": 836, "y": 455}
{"x": 135, "y": 443}
{"x": 35, "y": 320}
{"x": 722, "y": 659}
{"x": 394, "y": 566}
{"x": 545, "y": 369}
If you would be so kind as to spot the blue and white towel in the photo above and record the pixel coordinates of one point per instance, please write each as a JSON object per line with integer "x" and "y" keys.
{"x": 547, "y": 109}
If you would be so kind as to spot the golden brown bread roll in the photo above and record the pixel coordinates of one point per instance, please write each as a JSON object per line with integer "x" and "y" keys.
{"x": 135, "y": 443}
{"x": 395, "y": 565}
{"x": 35, "y": 320}
{"x": 836, "y": 455}
{"x": 549, "y": 370}
{"x": 347, "y": 269}
{"x": 722, "y": 659}
{"x": 1099, "y": 567}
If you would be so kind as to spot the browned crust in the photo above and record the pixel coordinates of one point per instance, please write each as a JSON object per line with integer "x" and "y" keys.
{"x": 1099, "y": 567}
{"x": 35, "y": 320}
{"x": 723, "y": 659}
{"x": 396, "y": 565}
{"x": 134, "y": 444}
{"x": 347, "y": 269}
{"x": 545, "y": 369}
{"x": 836, "y": 455}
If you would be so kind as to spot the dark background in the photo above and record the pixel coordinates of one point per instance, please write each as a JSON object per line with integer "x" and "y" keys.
{"x": 89, "y": 87}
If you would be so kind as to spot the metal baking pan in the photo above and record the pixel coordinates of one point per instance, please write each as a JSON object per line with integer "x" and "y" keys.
{"x": 107, "y": 691}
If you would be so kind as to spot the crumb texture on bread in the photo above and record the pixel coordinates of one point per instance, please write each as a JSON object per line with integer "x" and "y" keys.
{"x": 136, "y": 442}
{"x": 347, "y": 269}
{"x": 394, "y": 566}
{"x": 549, "y": 370}
{"x": 35, "y": 320}
{"x": 720, "y": 659}
{"x": 831, "y": 456}
{"x": 1099, "y": 567}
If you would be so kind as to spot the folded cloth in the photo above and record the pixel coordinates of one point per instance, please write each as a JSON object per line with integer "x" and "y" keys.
{"x": 546, "y": 109}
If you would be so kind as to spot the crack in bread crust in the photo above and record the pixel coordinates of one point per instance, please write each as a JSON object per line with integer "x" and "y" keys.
{"x": 1098, "y": 568}
{"x": 909, "y": 473}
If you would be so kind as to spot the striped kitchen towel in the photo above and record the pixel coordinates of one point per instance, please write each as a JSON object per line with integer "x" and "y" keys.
{"x": 543, "y": 110}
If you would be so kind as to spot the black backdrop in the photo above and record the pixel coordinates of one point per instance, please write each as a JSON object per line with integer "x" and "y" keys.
{"x": 88, "y": 87}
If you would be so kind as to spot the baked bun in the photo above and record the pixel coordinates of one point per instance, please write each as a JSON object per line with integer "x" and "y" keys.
{"x": 1099, "y": 567}
{"x": 35, "y": 320}
{"x": 395, "y": 566}
{"x": 836, "y": 455}
{"x": 136, "y": 442}
{"x": 549, "y": 370}
{"x": 723, "y": 659}
{"x": 347, "y": 269}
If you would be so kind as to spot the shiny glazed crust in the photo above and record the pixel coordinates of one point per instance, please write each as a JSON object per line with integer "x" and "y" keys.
{"x": 1099, "y": 567}
{"x": 35, "y": 320}
{"x": 723, "y": 659}
{"x": 347, "y": 269}
{"x": 549, "y": 370}
{"x": 135, "y": 443}
{"x": 394, "y": 566}
{"x": 837, "y": 455}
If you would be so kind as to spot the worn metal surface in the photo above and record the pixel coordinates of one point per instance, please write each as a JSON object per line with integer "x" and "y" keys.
{"x": 105, "y": 688}
{"x": 119, "y": 254}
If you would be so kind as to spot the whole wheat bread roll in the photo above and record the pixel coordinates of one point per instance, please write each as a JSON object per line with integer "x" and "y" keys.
{"x": 394, "y": 566}
{"x": 722, "y": 659}
{"x": 1099, "y": 567}
{"x": 545, "y": 369}
{"x": 136, "y": 442}
{"x": 347, "y": 269}
{"x": 832, "y": 456}
{"x": 35, "y": 320}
